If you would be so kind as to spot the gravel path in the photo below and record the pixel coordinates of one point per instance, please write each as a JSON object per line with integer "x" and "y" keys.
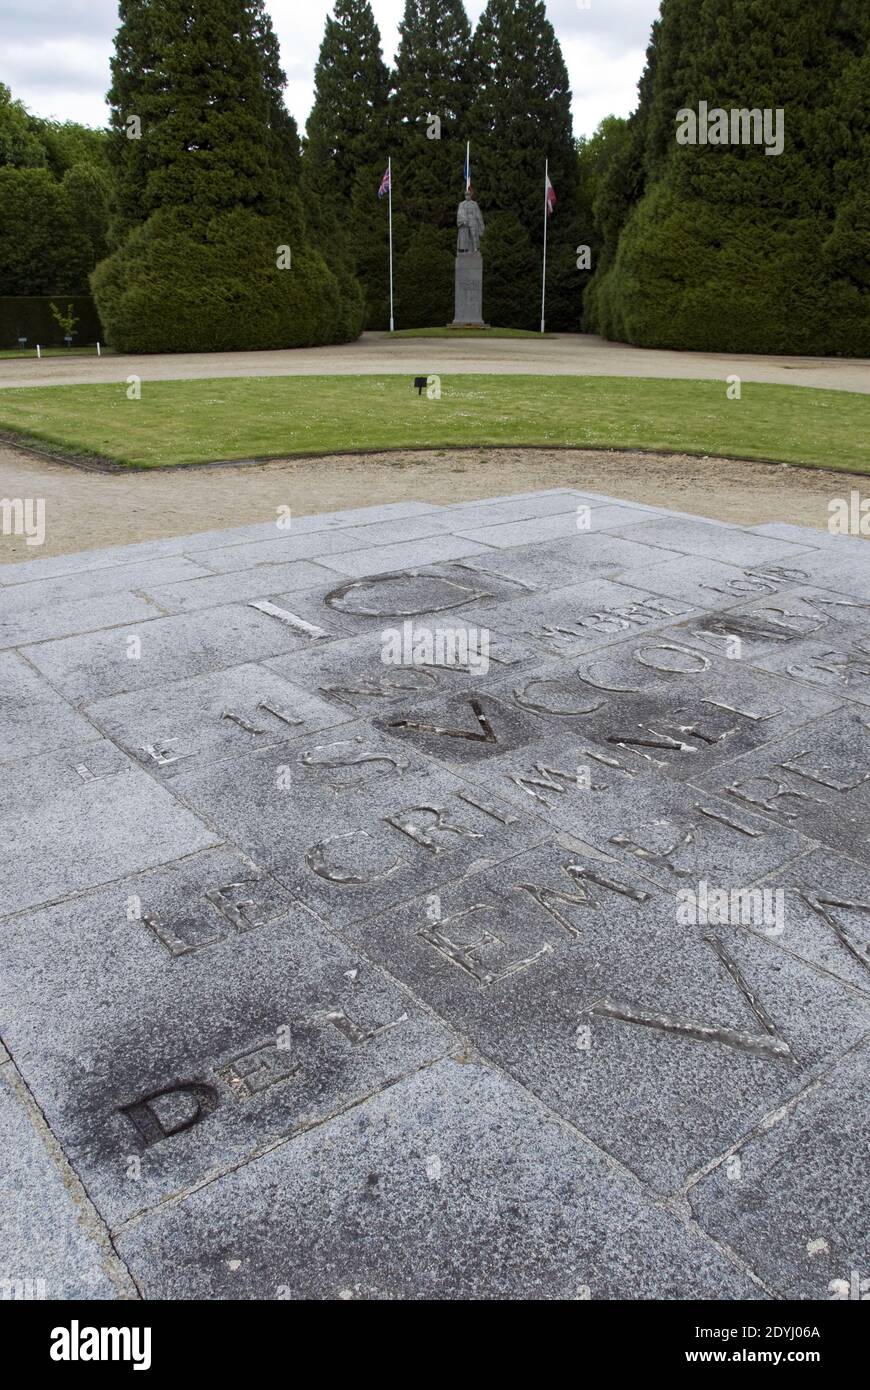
{"x": 86, "y": 510}
{"x": 563, "y": 354}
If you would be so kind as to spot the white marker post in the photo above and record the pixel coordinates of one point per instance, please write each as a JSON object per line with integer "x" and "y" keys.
{"x": 546, "y": 211}
{"x": 390, "y": 193}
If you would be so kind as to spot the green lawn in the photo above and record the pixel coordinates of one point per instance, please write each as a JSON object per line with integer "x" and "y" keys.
{"x": 183, "y": 422}
{"x": 466, "y": 333}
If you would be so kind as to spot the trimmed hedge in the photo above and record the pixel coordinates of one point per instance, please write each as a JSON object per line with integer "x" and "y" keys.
{"x": 729, "y": 248}
{"x": 30, "y": 317}
{"x": 214, "y": 286}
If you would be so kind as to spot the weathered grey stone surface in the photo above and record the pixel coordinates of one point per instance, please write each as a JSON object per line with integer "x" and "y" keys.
{"x": 468, "y": 290}
{"x": 424, "y": 1192}
{"x": 563, "y": 525}
{"x": 570, "y": 971}
{"x": 96, "y": 583}
{"x": 104, "y": 663}
{"x": 707, "y": 583}
{"x": 815, "y": 780}
{"x": 52, "y": 1243}
{"x": 352, "y": 676}
{"x": 573, "y": 620}
{"x": 438, "y": 902}
{"x": 33, "y": 717}
{"x": 404, "y": 555}
{"x": 656, "y": 704}
{"x": 232, "y": 587}
{"x": 796, "y": 1203}
{"x": 717, "y": 540}
{"x": 84, "y": 615}
{"x": 778, "y": 631}
{"x": 213, "y": 716}
{"x": 827, "y": 914}
{"x": 242, "y": 1024}
{"x": 82, "y": 816}
{"x": 350, "y": 821}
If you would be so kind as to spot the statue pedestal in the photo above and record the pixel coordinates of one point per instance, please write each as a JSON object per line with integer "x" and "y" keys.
{"x": 468, "y": 303}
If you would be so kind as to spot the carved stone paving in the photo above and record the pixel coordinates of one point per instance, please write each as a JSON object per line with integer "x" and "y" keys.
{"x": 461, "y": 902}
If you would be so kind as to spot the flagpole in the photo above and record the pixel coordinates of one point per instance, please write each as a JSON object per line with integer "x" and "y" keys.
{"x": 390, "y": 175}
{"x": 546, "y": 210}
{"x": 467, "y": 164}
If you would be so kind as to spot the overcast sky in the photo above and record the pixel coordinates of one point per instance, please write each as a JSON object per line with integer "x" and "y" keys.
{"x": 54, "y": 54}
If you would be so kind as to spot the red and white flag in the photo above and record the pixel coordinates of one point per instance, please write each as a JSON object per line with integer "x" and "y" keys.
{"x": 550, "y": 195}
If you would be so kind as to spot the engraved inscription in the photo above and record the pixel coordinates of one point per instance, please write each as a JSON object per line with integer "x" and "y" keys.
{"x": 766, "y": 1043}
{"x": 825, "y": 908}
{"x": 329, "y": 859}
{"x": 474, "y": 948}
{"x": 408, "y": 822}
{"x": 482, "y": 733}
{"x": 293, "y": 620}
{"x": 198, "y": 927}
{"x": 257, "y": 1070}
{"x": 417, "y": 593}
{"x": 585, "y": 881}
{"x": 349, "y": 753}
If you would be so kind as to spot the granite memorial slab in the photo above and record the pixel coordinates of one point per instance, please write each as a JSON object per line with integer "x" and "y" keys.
{"x": 233, "y": 586}
{"x": 583, "y": 521}
{"x": 712, "y": 584}
{"x": 792, "y": 1198}
{"x": 205, "y": 1015}
{"x": 137, "y": 578}
{"x": 348, "y": 820}
{"x": 575, "y": 971}
{"x": 842, "y": 670}
{"x": 76, "y": 818}
{"x": 784, "y": 624}
{"x": 209, "y": 717}
{"x": 595, "y": 791}
{"x": 139, "y": 655}
{"x": 716, "y": 540}
{"x": 447, "y": 655}
{"x": 51, "y": 1245}
{"x": 826, "y": 914}
{"x": 438, "y": 902}
{"x": 815, "y": 780}
{"x": 455, "y": 1185}
{"x": 662, "y": 705}
{"x": 34, "y": 719}
{"x": 592, "y": 614}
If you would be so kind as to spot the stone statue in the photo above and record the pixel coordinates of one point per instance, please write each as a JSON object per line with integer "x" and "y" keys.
{"x": 470, "y": 223}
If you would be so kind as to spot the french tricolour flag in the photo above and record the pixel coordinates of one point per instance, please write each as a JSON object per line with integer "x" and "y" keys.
{"x": 385, "y": 183}
{"x": 550, "y": 194}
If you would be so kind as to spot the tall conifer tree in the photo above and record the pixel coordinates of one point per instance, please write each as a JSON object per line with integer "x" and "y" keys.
{"x": 347, "y": 148}
{"x": 521, "y": 115}
{"x": 721, "y": 246}
{"x": 206, "y": 197}
{"x": 432, "y": 90}
{"x": 347, "y": 127}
